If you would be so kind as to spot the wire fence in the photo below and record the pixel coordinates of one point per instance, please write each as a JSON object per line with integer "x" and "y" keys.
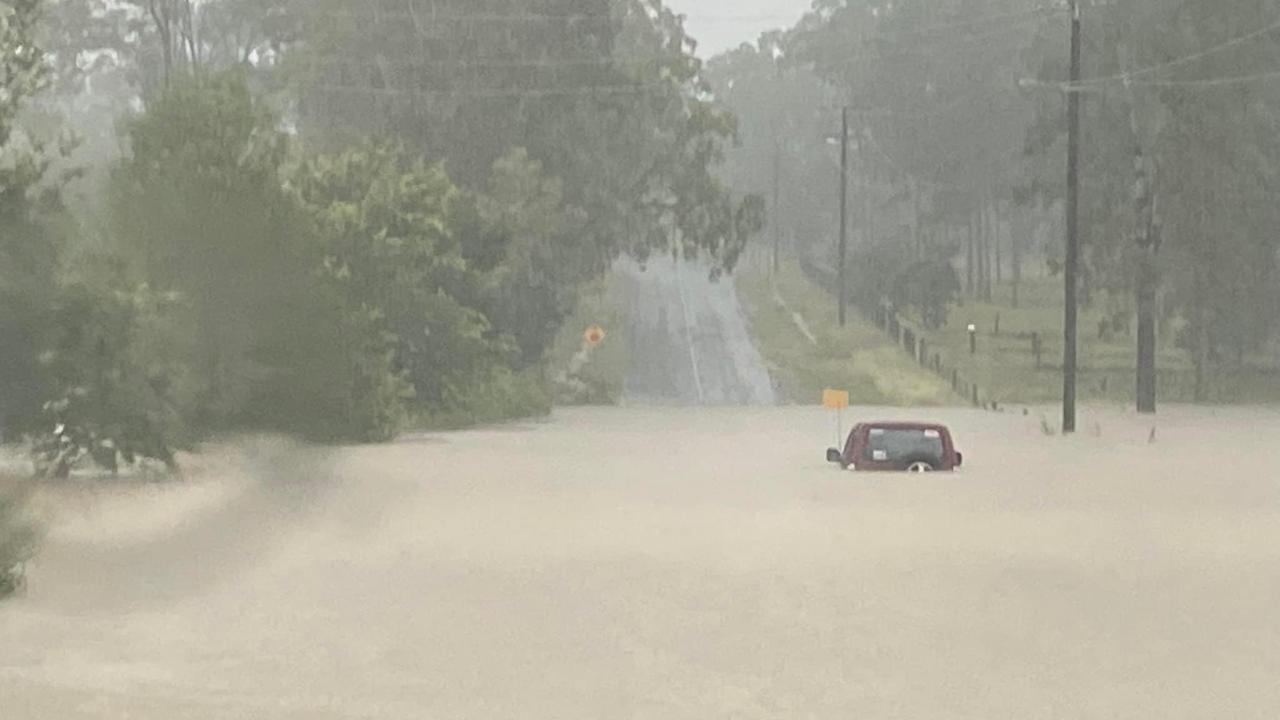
{"x": 1015, "y": 357}
{"x": 911, "y": 339}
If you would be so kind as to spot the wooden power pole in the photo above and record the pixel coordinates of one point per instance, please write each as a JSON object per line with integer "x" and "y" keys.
{"x": 777, "y": 196}
{"x": 844, "y": 209}
{"x": 1147, "y": 232}
{"x": 1071, "y": 267}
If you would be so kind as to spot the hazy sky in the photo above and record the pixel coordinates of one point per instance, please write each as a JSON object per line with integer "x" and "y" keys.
{"x": 722, "y": 24}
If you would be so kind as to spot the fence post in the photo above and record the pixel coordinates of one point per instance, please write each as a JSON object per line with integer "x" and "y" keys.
{"x": 1036, "y": 348}
{"x": 955, "y": 380}
{"x": 975, "y": 396}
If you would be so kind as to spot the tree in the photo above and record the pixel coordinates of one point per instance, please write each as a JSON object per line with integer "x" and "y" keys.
{"x": 28, "y": 262}
{"x": 200, "y": 210}
{"x": 116, "y": 390}
{"x": 382, "y": 220}
{"x": 1179, "y": 156}
{"x": 29, "y": 200}
{"x": 18, "y": 533}
{"x": 531, "y": 249}
{"x": 928, "y": 288}
{"x": 785, "y": 117}
{"x": 1208, "y": 162}
{"x": 931, "y": 89}
{"x": 605, "y": 95}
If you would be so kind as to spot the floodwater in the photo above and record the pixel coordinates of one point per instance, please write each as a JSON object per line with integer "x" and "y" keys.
{"x": 668, "y": 563}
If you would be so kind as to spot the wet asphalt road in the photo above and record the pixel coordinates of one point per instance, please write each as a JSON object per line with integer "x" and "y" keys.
{"x": 689, "y": 342}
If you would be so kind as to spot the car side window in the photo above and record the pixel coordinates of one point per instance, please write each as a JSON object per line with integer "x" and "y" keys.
{"x": 876, "y": 450}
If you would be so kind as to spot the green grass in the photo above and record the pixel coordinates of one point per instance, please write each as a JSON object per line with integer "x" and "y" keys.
{"x": 858, "y": 358}
{"x": 1004, "y": 366}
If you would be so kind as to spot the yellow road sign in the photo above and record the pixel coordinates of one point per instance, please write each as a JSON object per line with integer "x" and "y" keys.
{"x": 835, "y": 399}
{"x": 594, "y": 335}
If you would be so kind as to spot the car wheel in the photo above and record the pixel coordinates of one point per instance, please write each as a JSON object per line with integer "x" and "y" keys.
{"x": 919, "y": 467}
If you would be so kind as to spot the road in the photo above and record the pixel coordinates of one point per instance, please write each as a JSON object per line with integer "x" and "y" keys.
{"x": 666, "y": 563}
{"x": 689, "y": 342}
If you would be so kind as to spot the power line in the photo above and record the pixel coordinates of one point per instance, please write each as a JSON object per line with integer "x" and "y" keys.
{"x": 986, "y": 20}
{"x": 524, "y": 17}
{"x": 495, "y": 18}
{"x": 1100, "y": 88}
{"x": 1153, "y": 69}
{"x": 735, "y": 19}
{"x": 495, "y": 93}
{"x": 960, "y": 43}
{"x": 1213, "y": 82}
{"x": 347, "y": 61}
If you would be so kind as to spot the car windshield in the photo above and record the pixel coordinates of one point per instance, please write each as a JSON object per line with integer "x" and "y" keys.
{"x": 900, "y": 445}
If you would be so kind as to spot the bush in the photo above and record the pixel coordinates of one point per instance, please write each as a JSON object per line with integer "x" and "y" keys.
{"x": 18, "y": 534}
{"x": 506, "y": 396}
{"x": 118, "y": 394}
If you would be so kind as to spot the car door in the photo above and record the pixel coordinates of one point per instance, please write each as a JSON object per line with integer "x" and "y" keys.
{"x": 871, "y": 456}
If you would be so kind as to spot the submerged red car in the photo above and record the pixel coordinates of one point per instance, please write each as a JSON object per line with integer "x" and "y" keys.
{"x": 898, "y": 447}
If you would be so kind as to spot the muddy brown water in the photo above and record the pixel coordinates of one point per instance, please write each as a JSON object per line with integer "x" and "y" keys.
{"x": 669, "y": 563}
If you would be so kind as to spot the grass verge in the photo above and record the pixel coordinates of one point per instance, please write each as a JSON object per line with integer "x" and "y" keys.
{"x": 858, "y": 358}
{"x": 1005, "y": 365}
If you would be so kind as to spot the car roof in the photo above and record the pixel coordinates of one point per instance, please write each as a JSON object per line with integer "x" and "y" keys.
{"x": 903, "y": 425}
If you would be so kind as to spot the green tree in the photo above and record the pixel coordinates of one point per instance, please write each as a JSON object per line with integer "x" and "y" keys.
{"x": 200, "y": 210}
{"x": 605, "y": 94}
{"x": 531, "y": 250}
{"x": 29, "y": 202}
{"x": 382, "y": 221}
{"x": 18, "y": 533}
{"x": 1163, "y": 84}
{"x": 28, "y": 265}
{"x": 117, "y": 391}
{"x": 785, "y": 118}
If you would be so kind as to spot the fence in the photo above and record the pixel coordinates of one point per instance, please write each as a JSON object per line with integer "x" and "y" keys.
{"x": 909, "y": 338}
{"x": 1177, "y": 381}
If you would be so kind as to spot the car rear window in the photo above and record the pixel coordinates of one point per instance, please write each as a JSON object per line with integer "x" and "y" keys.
{"x": 895, "y": 445}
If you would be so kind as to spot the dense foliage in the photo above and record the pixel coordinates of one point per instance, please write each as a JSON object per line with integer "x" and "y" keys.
{"x": 958, "y": 149}
{"x": 328, "y": 219}
{"x": 18, "y": 533}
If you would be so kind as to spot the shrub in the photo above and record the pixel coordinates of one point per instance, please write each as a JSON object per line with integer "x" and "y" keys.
{"x": 18, "y": 533}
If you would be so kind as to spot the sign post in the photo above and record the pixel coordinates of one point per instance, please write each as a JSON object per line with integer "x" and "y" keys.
{"x": 837, "y": 400}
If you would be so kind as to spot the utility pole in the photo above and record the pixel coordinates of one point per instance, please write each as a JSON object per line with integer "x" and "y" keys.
{"x": 1148, "y": 244}
{"x": 1147, "y": 234}
{"x": 777, "y": 177}
{"x": 844, "y": 208}
{"x": 970, "y": 238}
{"x": 999, "y": 225}
{"x": 868, "y": 199}
{"x": 777, "y": 192}
{"x": 1072, "y": 264}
